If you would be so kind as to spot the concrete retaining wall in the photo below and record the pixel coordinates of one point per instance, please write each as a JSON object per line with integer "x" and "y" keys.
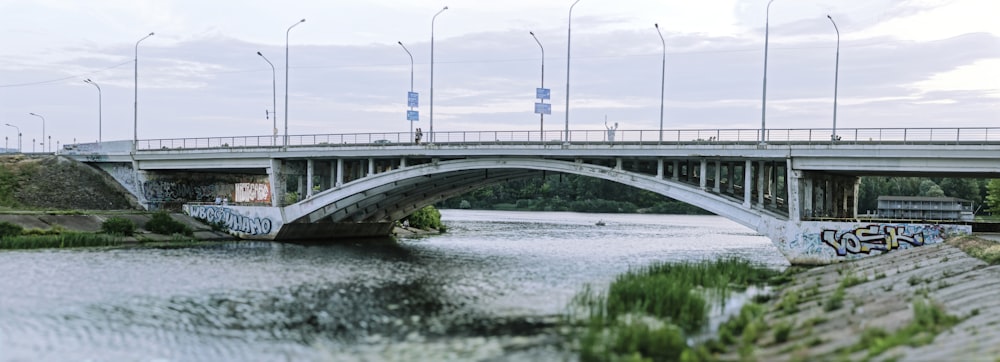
{"x": 831, "y": 242}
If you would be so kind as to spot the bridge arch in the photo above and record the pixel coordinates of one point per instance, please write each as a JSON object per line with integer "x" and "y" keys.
{"x": 392, "y": 195}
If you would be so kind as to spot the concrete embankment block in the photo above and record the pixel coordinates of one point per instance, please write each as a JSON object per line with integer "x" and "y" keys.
{"x": 881, "y": 294}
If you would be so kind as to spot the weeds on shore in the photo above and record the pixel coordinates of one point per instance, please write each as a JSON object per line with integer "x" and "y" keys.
{"x": 649, "y": 313}
{"x": 985, "y": 250}
{"x": 63, "y": 240}
{"x": 929, "y": 320}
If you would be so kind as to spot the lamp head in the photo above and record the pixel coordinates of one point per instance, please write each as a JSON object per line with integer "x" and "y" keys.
{"x": 32, "y": 113}
{"x": 150, "y": 34}
{"x": 828, "y": 17}
{"x": 87, "y": 80}
{"x": 400, "y": 42}
{"x": 302, "y": 21}
{"x": 657, "y": 25}
{"x": 532, "y": 33}
{"x": 258, "y": 53}
{"x": 445, "y": 8}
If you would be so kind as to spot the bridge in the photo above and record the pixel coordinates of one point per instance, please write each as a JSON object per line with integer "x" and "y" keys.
{"x": 797, "y": 187}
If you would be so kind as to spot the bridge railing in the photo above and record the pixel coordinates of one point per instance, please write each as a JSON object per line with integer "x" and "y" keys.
{"x": 972, "y": 135}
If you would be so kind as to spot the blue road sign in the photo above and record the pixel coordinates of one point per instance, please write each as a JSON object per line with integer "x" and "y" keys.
{"x": 411, "y": 99}
{"x": 542, "y": 93}
{"x": 412, "y": 115}
{"x": 543, "y": 108}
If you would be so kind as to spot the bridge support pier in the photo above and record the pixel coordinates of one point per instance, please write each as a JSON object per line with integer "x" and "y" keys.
{"x": 310, "y": 169}
{"x": 718, "y": 176}
{"x": 761, "y": 183}
{"x": 747, "y": 183}
{"x": 340, "y": 172}
{"x": 275, "y": 177}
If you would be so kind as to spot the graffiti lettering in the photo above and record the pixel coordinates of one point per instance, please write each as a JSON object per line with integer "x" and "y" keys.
{"x": 252, "y": 192}
{"x": 232, "y": 220}
{"x": 161, "y": 190}
{"x": 865, "y": 240}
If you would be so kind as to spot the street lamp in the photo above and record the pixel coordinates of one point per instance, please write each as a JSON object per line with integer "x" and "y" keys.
{"x": 411, "y": 80}
{"x": 663, "y": 78}
{"x": 274, "y": 101}
{"x": 99, "y": 111}
{"x": 18, "y": 137}
{"x": 135, "y": 115}
{"x": 836, "y": 78}
{"x": 569, "y": 32}
{"x": 431, "y": 134}
{"x": 43, "y": 129}
{"x": 286, "y": 79}
{"x": 763, "y": 106}
{"x": 541, "y": 115}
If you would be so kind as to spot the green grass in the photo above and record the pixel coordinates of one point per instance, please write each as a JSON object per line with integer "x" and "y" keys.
{"x": 648, "y": 313}
{"x": 836, "y": 300}
{"x": 985, "y": 250}
{"x": 63, "y": 240}
{"x": 929, "y": 320}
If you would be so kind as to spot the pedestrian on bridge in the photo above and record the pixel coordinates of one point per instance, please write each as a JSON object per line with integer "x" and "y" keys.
{"x": 418, "y": 135}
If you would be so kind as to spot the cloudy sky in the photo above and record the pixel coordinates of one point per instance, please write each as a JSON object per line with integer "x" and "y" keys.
{"x": 903, "y": 63}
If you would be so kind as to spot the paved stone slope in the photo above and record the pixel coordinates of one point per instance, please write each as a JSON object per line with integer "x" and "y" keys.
{"x": 964, "y": 286}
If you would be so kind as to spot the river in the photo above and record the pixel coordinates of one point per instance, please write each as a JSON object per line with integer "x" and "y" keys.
{"x": 489, "y": 288}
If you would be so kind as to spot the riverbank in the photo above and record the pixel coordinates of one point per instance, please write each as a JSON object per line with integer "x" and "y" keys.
{"x": 862, "y": 310}
{"x": 53, "y": 222}
{"x": 90, "y": 222}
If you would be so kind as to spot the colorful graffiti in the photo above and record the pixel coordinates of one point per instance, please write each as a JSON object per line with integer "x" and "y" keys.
{"x": 252, "y": 192}
{"x": 233, "y": 220}
{"x": 866, "y": 239}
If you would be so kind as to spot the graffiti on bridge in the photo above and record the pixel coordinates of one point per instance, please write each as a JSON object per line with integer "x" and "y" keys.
{"x": 233, "y": 220}
{"x": 866, "y": 239}
{"x": 252, "y": 192}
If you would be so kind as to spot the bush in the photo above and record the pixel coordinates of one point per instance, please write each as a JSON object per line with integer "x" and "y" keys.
{"x": 8, "y": 229}
{"x": 426, "y": 218}
{"x": 118, "y": 226}
{"x": 162, "y": 223}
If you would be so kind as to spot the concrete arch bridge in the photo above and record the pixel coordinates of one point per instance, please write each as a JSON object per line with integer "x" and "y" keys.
{"x": 797, "y": 189}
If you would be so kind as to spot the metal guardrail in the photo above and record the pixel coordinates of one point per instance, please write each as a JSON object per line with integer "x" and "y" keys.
{"x": 974, "y": 135}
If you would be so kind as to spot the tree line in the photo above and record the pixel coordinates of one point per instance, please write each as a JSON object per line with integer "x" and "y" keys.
{"x": 565, "y": 192}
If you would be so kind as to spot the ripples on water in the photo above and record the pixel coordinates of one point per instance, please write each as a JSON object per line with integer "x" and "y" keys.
{"x": 486, "y": 289}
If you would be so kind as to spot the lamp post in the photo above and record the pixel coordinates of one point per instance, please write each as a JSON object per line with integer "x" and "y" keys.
{"x": 411, "y": 80}
{"x": 286, "y": 80}
{"x": 100, "y": 112}
{"x": 135, "y": 114}
{"x": 541, "y": 115}
{"x": 18, "y": 137}
{"x": 43, "y": 129}
{"x": 663, "y": 79}
{"x": 274, "y": 101}
{"x": 836, "y": 78}
{"x": 569, "y": 32}
{"x": 763, "y": 106}
{"x": 431, "y": 134}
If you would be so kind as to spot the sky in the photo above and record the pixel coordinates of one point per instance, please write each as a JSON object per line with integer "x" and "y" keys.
{"x": 902, "y": 63}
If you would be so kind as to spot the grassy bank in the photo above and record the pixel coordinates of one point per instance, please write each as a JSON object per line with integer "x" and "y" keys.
{"x": 887, "y": 307}
{"x": 651, "y": 313}
{"x": 114, "y": 231}
{"x": 61, "y": 240}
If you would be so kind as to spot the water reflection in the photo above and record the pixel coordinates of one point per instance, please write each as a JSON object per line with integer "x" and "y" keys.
{"x": 487, "y": 289}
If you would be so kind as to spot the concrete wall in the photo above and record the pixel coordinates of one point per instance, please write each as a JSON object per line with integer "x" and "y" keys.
{"x": 171, "y": 189}
{"x": 245, "y": 222}
{"x": 810, "y": 242}
{"x": 266, "y": 223}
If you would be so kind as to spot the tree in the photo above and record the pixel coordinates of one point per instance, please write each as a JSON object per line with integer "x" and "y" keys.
{"x": 993, "y": 196}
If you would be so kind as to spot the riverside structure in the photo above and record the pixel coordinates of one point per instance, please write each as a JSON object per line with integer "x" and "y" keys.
{"x": 799, "y": 189}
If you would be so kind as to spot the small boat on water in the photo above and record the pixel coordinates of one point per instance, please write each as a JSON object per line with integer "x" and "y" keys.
{"x": 600, "y": 223}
